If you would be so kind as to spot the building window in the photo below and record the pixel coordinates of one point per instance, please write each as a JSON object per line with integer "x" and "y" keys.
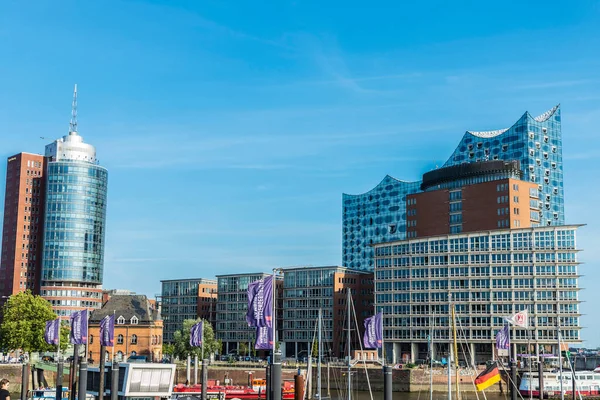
{"x": 134, "y": 320}
{"x": 120, "y": 339}
{"x": 121, "y": 320}
{"x": 133, "y": 339}
{"x": 516, "y": 199}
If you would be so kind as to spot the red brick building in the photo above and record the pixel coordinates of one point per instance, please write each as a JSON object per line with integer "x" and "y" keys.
{"x": 23, "y": 226}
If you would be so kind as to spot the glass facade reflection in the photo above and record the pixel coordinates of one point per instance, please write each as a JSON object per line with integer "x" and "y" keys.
{"x": 75, "y": 220}
{"x": 379, "y": 215}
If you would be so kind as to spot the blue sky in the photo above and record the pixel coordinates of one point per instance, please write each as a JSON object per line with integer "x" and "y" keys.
{"x": 231, "y": 129}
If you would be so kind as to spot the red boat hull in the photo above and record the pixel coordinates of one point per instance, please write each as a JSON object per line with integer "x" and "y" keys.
{"x": 242, "y": 393}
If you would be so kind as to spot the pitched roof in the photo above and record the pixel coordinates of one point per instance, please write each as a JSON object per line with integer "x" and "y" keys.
{"x": 127, "y": 306}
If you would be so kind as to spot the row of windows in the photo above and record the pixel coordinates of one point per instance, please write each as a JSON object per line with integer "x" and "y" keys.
{"x": 559, "y": 239}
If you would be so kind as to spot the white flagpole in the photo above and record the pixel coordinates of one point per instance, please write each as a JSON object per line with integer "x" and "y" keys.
{"x": 202, "y": 337}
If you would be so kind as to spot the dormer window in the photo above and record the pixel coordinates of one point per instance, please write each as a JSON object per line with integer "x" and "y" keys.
{"x": 134, "y": 320}
{"x": 121, "y": 320}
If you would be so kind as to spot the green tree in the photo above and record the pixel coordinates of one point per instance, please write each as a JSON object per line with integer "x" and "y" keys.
{"x": 24, "y": 322}
{"x": 181, "y": 342}
{"x": 315, "y": 348}
{"x": 168, "y": 349}
{"x": 243, "y": 349}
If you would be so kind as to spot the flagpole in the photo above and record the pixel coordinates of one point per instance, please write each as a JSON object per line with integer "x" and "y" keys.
{"x": 202, "y": 337}
{"x": 274, "y": 321}
{"x": 382, "y": 339}
{"x": 58, "y": 342}
{"x": 113, "y": 347}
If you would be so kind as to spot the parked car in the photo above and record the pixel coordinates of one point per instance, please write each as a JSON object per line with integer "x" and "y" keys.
{"x": 48, "y": 359}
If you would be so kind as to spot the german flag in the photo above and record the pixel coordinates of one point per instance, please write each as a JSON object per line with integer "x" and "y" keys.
{"x": 488, "y": 377}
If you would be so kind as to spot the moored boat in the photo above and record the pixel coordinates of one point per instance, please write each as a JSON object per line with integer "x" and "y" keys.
{"x": 587, "y": 384}
{"x": 255, "y": 392}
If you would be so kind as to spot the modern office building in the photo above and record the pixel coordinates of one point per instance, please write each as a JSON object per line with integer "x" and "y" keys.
{"x": 488, "y": 275}
{"x": 308, "y": 289}
{"x": 23, "y": 225}
{"x": 74, "y": 226}
{"x": 232, "y": 305}
{"x": 183, "y": 299}
{"x": 380, "y": 215}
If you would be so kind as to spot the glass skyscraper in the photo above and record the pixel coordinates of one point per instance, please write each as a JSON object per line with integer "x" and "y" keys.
{"x": 379, "y": 215}
{"x": 74, "y": 229}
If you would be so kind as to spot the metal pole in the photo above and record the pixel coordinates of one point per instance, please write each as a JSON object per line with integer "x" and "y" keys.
{"x": 382, "y": 339}
{"x": 187, "y": 370}
{"x": 274, "y": 320}
{"x": 268, "y": 394}
{"x": 430, "y": 345}
{"x": 449, "y": 362}
{"x": 348, "y": 338}
{"x": 387, "y": 382}
{"x": 114, "y": 381}
{"x": 513, "y": 370}
{"x": 574, "y": 379}
{"x": 25, "y": 381}
{"x": 59, "y": 379}
{"x": 101, "y": 369}
{"x": 195, "y": 369}
{"x": 456, "y": 366}
{"x": 73, "y": 374}
{"x": 276, "y": 377}
{"x": 540, "y": 379}
{"x": 319, "y": 354}
{"x": 83, "y": 378}
{"x": 560, "y": 362}
{"x": 204, "y": 378}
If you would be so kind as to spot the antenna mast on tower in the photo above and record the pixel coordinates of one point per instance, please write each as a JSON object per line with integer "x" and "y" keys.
{"x": 73, "y": 123}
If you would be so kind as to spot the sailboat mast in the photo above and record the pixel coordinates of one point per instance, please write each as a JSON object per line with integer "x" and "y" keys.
{"x": 348, "y": 345}
{"x": 560, "y": 363}
{"x": 430, "y": 343}
{"x": 319, "y": 354}
{"x": 455, "y": 353}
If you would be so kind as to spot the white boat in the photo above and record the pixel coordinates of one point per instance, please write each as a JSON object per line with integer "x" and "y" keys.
{"x": 587, "y": 383}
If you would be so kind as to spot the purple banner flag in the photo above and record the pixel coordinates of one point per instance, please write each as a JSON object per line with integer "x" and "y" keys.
{"x": 264, "y": 338}
{"x": 503, "y": 339}
{"x": 52, "y": 332}
{"x": 373, "y": 336}
{"x": 196, "y": 334}
{"x": 260, "y": 303}
{"x": 107, "y": 331}
{"x": 79, "y": 327}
